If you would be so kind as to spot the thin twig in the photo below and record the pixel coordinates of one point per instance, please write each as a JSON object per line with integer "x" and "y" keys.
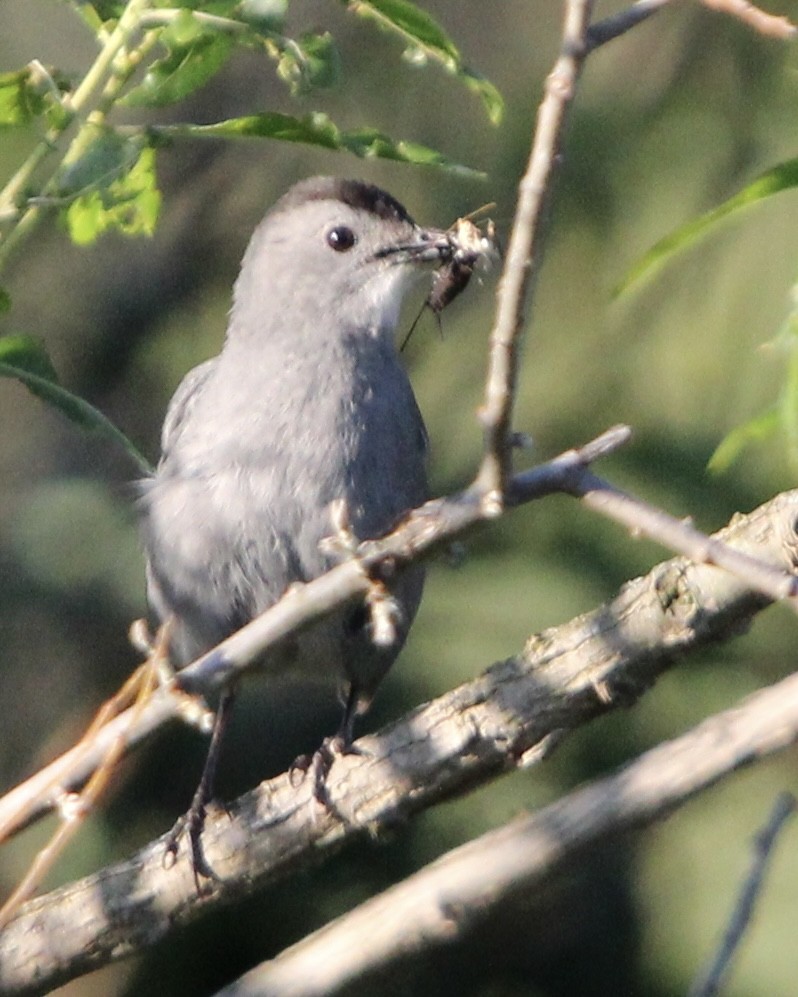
{"x": 754, "y": 17}
{"x": 43, "y": 792}
{"x": 524, "y": 253}
{"x": 440, "y": 902}
{"x": 618, "y": 24}
{"x": 680, "y": 535}
{"x": 524, "y": 258}
{"x": 89, "y": 101}
{"x": 73, "y": 808}
{"x": 708, "y": 982}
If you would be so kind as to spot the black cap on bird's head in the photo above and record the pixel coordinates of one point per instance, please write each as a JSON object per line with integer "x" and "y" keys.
{"x": 355, "y": 193}
{"x": 419, "y": 245}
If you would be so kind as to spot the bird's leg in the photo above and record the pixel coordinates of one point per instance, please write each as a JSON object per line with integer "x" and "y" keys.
{"x": 341, "y": 743}
{"x": 321, "y": 761}
{"x": 193, "y": 821}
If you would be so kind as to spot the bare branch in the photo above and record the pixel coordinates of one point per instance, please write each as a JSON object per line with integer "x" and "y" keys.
{"x": 74, "y": 808}
{"x": 511, "y": 715}
{"x": 618, "y": 24}
{"x": 681, "y": 536}
{"x": 754, "y": 17}
{"x": 432, "y": 525}
{"x": 43, "y": 792}
{"x": 524, "y": 257}
{"x": 426, "y": 529}
{"x": 708, "y": 983}
{"x": 432, "y": 907}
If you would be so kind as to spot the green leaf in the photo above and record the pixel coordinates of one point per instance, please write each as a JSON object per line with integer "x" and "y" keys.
{"x": 103, "y": 155}
{"x": 781, "y": 177}
{"x": 489, "y": 94}
{"x": 21, "y": 98}
{"x": 25, "y": 358}
{"x": 414, "y": 24}
{"x": 231, "y": 8}
{"x": 427, "y": 39}
{"x": 368, "y": 143}
{"x": 316, "y": 129}
{"x": 194, "y": 56}
{"x": 5, "y": 300}
{"x": 129, "y": 204}
{"x": 108, "y": 10}
{"x": 90, "y": 16}
{"x": 263, "y": 15}
{"x": 756, "y": 430}
{"x": 781, "y": 417}
{"x": 311, "y": 62}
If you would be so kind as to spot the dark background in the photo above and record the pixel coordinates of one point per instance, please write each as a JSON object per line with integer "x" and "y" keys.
{"x": 669, "y": 121}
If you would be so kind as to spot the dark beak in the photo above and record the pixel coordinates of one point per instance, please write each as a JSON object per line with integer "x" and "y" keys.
{"x": 428, "y": 246}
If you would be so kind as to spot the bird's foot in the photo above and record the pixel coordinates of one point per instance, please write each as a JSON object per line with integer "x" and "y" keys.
{"x": 318, "y": 766}
{"x": 191, "y": 824}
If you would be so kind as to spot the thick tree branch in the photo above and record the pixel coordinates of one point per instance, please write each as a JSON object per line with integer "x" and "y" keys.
{"x": 509, "y": 716}
{"x": 431, "y": 908}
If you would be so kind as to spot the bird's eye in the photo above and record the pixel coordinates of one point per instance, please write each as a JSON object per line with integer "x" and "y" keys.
{"x": 341, "y": 238}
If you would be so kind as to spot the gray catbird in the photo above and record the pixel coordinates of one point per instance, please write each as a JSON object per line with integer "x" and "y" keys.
{"x": 306, "y": 404}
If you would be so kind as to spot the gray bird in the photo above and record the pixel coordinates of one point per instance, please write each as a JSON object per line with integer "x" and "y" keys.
{"x": 306, "y": 404}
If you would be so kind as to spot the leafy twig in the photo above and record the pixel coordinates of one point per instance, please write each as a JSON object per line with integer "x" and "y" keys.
{"x": 79, "y": 108}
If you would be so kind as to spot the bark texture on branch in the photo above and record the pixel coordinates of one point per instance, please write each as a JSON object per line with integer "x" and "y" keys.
{"x": 432, "y": 907}
{"x": 508, "y": 716}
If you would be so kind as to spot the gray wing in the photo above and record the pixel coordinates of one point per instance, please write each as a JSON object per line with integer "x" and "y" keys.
{"x": 158, "y": 522}
{"x": 182, "y": 402}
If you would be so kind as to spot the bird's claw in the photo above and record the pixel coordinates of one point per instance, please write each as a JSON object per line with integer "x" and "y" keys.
{"x": 192, "y": 824}
{"x": 318, "y": 765}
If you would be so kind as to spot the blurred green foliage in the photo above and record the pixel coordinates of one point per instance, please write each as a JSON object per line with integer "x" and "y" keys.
{"x": 670, "y": 122}
{"x": 780, "y": 419}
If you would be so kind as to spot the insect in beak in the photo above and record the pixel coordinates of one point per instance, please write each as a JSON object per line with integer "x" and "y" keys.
{"x": 469, "y": 248}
